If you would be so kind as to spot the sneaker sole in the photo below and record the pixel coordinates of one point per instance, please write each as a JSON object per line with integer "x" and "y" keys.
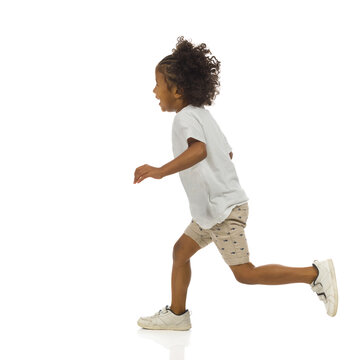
{"x": 334, "y": 284}
{"x": 157, "y": 327}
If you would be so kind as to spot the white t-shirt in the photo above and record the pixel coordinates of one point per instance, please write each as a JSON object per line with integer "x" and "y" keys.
{"x": 211, "y": 185}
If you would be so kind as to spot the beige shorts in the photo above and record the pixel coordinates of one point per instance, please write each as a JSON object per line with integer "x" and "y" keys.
{"x": 228, "y": 236}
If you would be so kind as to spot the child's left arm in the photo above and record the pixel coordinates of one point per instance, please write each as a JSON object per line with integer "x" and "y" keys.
{"x": 195, "y": 153}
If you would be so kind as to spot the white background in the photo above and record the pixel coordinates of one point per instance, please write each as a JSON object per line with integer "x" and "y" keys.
{"x": 84, "y": 252}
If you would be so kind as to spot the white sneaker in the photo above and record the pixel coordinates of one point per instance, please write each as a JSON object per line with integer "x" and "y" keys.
{"x": 165, "y": 319}
{"x": 325, "y": 285}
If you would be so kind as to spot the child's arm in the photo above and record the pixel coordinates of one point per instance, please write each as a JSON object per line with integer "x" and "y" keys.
{"x": 231, "y": 155}
{"x": 194, "y": 154}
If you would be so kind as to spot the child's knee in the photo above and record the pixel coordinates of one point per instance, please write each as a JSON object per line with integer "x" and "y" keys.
{"x": 183, "y": 249}
{"x": 180, "y": 255}
{"x": 244, "y": 273}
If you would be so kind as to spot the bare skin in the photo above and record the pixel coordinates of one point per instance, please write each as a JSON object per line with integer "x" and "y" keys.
{"x": 247, "y": 273}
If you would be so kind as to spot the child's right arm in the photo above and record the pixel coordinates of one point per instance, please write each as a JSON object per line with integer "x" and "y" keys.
{"x": 195, "y": 153}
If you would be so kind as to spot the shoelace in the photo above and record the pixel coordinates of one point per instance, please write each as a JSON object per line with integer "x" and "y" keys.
{"x": 164, "y": 310}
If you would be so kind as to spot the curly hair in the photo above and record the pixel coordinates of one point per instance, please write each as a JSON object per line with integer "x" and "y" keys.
{"x": 194, "y": 73}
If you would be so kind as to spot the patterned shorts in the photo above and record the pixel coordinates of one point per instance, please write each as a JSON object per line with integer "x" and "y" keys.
{"x": 228, "y": 236}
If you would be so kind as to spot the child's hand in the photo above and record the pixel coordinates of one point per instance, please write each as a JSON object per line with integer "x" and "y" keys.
{"x": 145, "y": 171}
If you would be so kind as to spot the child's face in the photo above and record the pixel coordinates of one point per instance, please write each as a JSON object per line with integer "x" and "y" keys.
{"x": 169, "y": 100}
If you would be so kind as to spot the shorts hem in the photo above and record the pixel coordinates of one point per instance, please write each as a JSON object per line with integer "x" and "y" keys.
{"x": 241, "y": 261}
{"x": 195, "y": 237}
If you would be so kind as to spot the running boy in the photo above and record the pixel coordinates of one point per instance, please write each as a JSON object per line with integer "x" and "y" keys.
{"x": 187, "y": 80}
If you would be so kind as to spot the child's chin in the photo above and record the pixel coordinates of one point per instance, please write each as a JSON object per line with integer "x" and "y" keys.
{"x": 164, "y": 109}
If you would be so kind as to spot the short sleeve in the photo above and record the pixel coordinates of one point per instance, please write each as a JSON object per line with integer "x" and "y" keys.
{"x": 188, "y": 126}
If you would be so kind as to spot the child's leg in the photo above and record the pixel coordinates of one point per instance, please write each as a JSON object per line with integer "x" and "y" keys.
{"x": 273, "y": 274}
{"x": 184, "y": 248}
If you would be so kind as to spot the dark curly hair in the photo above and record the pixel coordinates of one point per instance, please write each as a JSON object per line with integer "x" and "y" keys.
{"x": 194, "y": 73}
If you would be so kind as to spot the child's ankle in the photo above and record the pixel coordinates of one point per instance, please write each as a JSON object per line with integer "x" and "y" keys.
{"x": 177, "y": 311}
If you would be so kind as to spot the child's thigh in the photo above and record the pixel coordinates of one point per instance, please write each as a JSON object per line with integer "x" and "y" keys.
{"x": 193, "y": 239}
{"x": 201, "y": 236}
{"x": 229, "y": 236}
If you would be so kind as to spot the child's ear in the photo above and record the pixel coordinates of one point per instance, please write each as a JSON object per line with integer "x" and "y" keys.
{"x": 178, "y": 92}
